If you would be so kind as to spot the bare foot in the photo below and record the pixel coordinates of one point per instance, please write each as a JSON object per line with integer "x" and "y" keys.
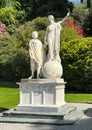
{"x": 30, "y": 77}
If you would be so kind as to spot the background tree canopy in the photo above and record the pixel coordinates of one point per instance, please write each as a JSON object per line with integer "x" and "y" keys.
{"x": 36, "y": 8}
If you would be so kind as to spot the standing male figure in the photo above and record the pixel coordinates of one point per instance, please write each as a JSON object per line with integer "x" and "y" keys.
{"x": 36, "y": 54}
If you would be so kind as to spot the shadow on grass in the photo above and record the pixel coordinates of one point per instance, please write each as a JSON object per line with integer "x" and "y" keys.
{"x": 8, "y": 84}
{"x": 3, "y": 109}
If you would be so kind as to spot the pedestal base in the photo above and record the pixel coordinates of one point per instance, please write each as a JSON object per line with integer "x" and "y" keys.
{"x": 41, "y": 95}
{"x": 42, "y": 102}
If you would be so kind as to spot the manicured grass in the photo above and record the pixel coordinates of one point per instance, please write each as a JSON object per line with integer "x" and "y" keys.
{"x": 75, "y": 97}
{"x": 9, "y": 96}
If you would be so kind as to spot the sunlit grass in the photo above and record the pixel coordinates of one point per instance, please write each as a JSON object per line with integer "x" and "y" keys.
{"x": 9, "y": 95}
{"x": 75, "y": 97}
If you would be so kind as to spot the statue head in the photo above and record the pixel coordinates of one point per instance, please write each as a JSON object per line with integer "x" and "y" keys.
{"x": 51, "y": 18}
{"x": 35, "y": 34}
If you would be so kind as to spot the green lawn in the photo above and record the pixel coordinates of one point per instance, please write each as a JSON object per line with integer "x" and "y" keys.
{"x": 9, "y": 96}
{"x": 76, "y": 97}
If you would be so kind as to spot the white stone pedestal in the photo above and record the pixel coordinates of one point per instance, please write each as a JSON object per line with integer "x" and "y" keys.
{"x": 41, "y": 95}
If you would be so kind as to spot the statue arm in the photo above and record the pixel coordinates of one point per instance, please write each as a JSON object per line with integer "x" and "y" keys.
{"x": 65, "y": 18}
{"x": 30, "y": 49}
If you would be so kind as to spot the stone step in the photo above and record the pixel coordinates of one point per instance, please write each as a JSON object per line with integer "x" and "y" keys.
{"x": 60, "y": 115}
{"x": 71, "y": 118}
{"x": 74, "y": 115}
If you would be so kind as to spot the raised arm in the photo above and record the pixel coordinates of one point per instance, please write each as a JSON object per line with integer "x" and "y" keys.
{"x": 64, "y": 18}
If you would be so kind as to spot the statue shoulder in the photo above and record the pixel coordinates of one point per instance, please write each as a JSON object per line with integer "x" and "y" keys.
{"x": 39, "y": 42}
{"x": 31, "y": 42}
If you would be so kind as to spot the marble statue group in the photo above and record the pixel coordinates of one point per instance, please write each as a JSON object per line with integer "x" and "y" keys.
{"x": 37, "y": 49}
{"x": 42, "y": 100}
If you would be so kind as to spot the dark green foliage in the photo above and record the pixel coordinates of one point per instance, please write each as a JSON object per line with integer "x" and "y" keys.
{"x": 40, "y": 8}
{"x": 88, "y": 3}
{"x": 3, "y": 3}
{"x": 7, "y": 54}
{"x": 14, "y": 63}
{"x": 79, "y": 14}
{"x": 23, "y": 33}
{"x": 77, "y": 63}
{"x": 40, "y": 23}
{"x": 11, "y": 29}
{"x": 81, "y": 1}
{"x": 88, "y": 23}
{"x": 21, "y": 64}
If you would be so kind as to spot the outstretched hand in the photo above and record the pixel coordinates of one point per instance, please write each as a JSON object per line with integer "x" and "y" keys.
{"x": 68, "y": 14}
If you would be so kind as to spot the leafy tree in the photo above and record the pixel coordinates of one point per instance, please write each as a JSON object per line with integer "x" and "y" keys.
{"x": 14, "y": 61}
{"x": 11, "y": 14}
{"x": 3, "y": 3}
{"x": 8, "y": 15}
{"x": 79, "y": 14}
{"x": 88, "y": 23}
{"x": 88, "y": 3}
{"x": 7, "y": 54}
{"x": 40, "y": 8}
{"x": 8, "y": 3}
{"x": 81, "y": 1}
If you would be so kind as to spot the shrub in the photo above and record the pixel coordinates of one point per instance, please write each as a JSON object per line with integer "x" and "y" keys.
{"x": 40, "y": 23}
{"x": 68, "y": 34}
{"x": 8, "y": 15}
{"x": 70, "y": 24}
{"x": 7, "y": 54}
{"x": 77, "y": 63}
{"x": 79, "y": 14}
{"x": 14, "y": 63}
{"x": 23, "y": 34}
{"x": 21, "y": 64}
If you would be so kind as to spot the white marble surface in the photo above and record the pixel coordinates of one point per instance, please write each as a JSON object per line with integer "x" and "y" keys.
{"x": 41, "y": 93}
{"x": 52, "y": 37}
{"x": 36, "y": 54}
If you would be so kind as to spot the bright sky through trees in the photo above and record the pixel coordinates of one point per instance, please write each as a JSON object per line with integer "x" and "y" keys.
{"x": 76, "y": 1}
